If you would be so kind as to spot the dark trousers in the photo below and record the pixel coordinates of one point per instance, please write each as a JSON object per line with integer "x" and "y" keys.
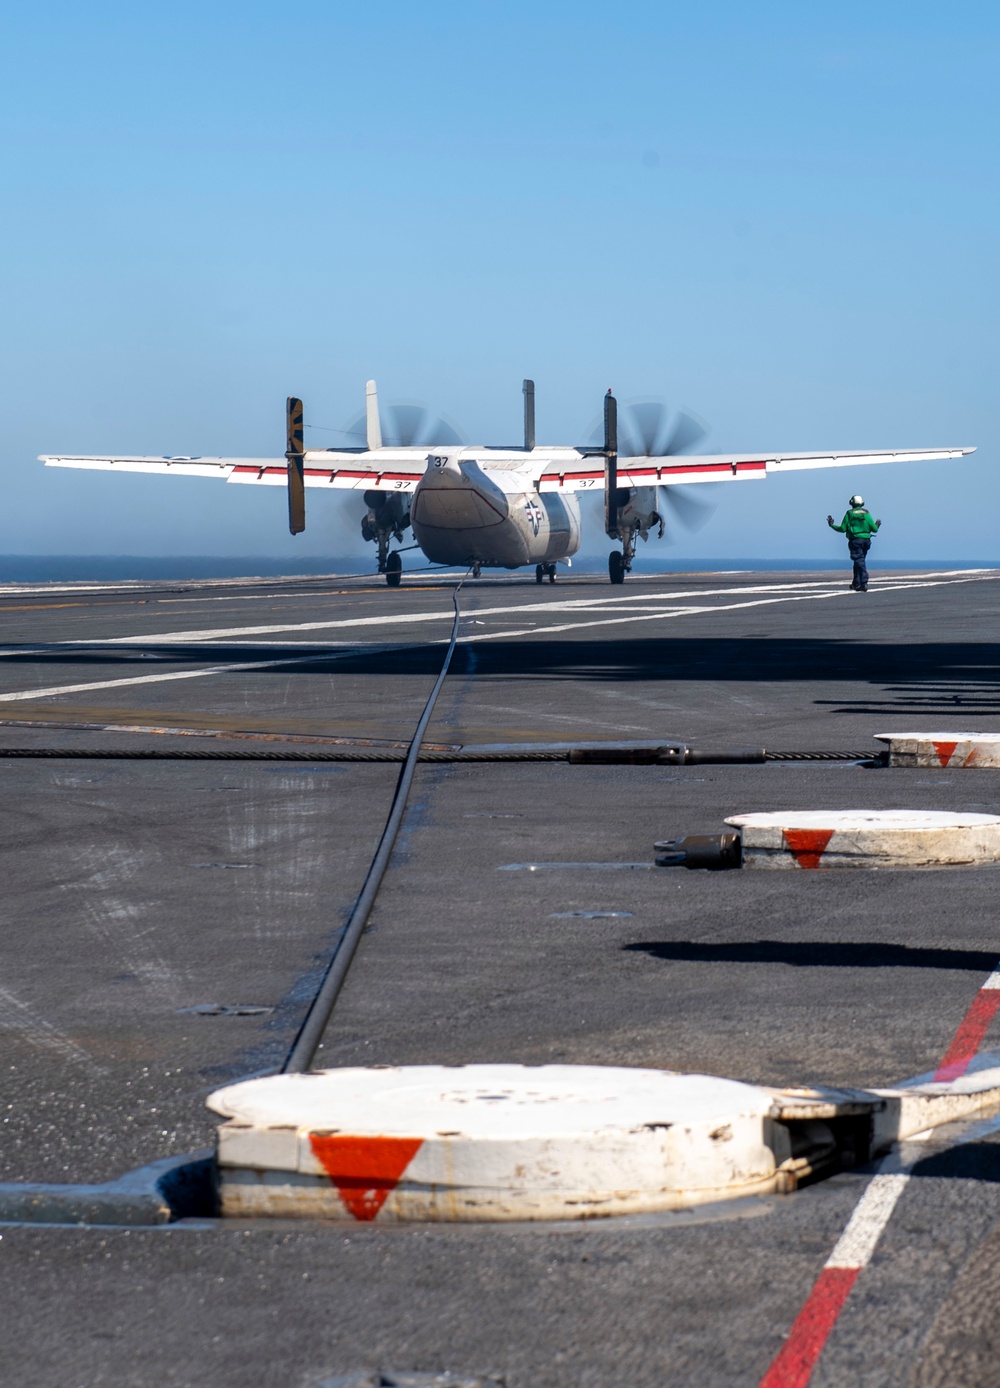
{"x": 858, "y": 549}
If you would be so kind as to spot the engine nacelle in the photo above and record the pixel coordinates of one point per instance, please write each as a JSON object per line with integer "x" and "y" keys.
{"x": 388, "y": 515}
{"x": 637, "y": 511}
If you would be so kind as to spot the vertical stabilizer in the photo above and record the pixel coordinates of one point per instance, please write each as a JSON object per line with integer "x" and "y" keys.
{"x": 611, "y": 466}
{"x": 294, "y": 457}
{"x": 373, "y": 425}
{"x": 529, "y": 414}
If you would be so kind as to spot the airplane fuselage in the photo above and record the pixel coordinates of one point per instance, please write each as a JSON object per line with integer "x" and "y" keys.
{"x": 460, "y": 515}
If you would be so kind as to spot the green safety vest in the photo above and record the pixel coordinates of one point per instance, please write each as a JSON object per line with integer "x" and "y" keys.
{"x": 858, "y": 524}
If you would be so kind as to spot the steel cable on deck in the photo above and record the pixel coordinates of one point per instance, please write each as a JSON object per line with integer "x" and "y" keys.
{"x": 377, "y": 754}
{"x": 310, "y": 1035}
{"x": 609, "y": 754}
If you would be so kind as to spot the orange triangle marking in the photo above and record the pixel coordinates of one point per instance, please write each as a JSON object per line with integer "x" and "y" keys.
{"x": 365, "y": 1170}
{"x": 945, "y": 751}
{"x": 807, "y": 846}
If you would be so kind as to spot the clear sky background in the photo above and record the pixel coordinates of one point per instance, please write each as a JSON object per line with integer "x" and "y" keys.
{"x": 781, "y": 216}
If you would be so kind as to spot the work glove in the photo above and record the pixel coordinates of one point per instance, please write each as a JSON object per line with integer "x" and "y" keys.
{"x": 829, "y": 520}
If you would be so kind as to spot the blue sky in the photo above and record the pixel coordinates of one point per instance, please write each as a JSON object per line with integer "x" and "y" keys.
{"x": 783, "y": 217}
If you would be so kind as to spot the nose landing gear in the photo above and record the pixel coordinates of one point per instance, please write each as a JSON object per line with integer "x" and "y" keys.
{"x": 545, "y": 570}
{"x": 393, "y": 570}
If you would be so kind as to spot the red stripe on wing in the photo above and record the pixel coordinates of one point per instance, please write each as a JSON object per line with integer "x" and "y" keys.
{"x": 670, "y": 470}
{"x": 359, "y": 476}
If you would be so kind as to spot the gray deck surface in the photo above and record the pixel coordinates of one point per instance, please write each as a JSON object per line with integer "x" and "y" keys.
{"x": 136, "y": 891}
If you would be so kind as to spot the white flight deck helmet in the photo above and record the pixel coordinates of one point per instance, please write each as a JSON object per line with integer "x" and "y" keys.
{"x": 857, "y": 500}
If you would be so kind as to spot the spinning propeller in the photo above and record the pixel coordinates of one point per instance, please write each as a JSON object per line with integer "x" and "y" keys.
{"x": 684, "y": 505}
{"x": 647, "y": 429}
{"x": 407, "y": 425}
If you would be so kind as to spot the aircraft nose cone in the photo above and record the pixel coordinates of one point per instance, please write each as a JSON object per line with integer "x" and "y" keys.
{"x": 456, "y": 495}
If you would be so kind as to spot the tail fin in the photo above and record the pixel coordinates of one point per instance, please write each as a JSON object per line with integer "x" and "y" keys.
{"x": 371, "y": 415}
{"x": 529, "y": 414}
{"x": 611, "y": 465}
{"x": 294, "y": 451}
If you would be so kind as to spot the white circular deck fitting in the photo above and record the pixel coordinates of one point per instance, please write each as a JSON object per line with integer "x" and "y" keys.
{"x": 867, "y": 839}
{"x": 954, "y": 750}
{"x": 489, "y": 1142}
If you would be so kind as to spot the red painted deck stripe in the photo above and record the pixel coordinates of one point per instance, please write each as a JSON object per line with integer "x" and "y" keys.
{"x": 794, "y": 1364}
{"x": 969, "y": 1036}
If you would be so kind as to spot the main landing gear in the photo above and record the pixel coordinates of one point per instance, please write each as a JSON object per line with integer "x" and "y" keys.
{"x": 545, "y": 570}
{"x": 388, "y": 515}
{"x": 620, "y": 561}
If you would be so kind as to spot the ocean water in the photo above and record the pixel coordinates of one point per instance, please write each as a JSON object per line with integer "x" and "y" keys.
{"x": 111, "y": 568}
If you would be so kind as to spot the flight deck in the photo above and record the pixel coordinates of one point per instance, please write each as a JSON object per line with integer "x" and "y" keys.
{"x": 169, "y": 920}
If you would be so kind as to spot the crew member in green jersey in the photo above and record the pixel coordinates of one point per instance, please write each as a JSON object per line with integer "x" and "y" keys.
{"x": 859, "y": 528}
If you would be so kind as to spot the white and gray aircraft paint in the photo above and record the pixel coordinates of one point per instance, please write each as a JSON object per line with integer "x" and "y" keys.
{"x": 490, "y": 507}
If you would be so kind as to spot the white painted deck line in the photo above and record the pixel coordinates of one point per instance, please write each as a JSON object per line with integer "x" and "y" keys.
{"x": 129, "y": 585}
{"x": 167, "y": 675}
{"x": 436, "y": 615}
{"x": 690, "y": 611}
{"x": 138, "y": 585}
{"x": 872, "y": 1213}
{"x": 625, "y": 618}
{"x": 669, "y": 600}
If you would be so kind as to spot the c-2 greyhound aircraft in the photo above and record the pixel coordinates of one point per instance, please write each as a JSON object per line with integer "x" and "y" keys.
{"x": 497, "y": 507}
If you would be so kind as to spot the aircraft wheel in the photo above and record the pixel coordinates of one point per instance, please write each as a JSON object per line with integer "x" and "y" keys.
{"x": 552, "y": 573}
{"x": 616, "y": 566}
{"x": 539, "y": 572}
{"x": 393, "y": 570}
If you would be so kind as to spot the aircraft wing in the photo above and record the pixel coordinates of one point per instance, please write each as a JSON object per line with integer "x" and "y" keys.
{"x": 725, "y": 467}
{"x": 357, "y": 472}
{"x": 391, "y": 470}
